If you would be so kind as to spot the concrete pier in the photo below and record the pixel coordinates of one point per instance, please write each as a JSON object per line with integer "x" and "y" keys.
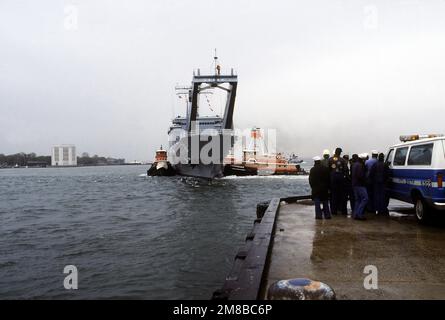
{"x": 287, "y": 242}
{"x": 410, "y": 258}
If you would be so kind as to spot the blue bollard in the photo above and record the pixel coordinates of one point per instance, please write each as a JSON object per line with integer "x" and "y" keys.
{"x": 300, "y": 289}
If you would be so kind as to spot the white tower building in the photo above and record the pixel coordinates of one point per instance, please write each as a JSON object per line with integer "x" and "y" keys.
{"x": 64, "y": 155}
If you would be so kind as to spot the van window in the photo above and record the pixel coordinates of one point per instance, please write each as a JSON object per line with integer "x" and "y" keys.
{"x": 400, "y": 156}
{"x": 421, "y": 155}
{"x": 389, "y": 157}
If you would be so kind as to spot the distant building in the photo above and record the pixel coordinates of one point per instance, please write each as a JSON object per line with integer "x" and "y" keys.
{"x": 113, "y": 161}
{"x": 64, "y": 155}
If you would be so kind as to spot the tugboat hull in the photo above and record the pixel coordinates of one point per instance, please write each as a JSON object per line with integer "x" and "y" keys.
{"x": 161, "y": 169}
{"x": 253, "y": 170}
{"x": 239, "y": 170}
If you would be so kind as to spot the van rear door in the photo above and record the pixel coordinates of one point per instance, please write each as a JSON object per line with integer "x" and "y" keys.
{"x": 438, "y": 193}
{"x": 420, "y": 165}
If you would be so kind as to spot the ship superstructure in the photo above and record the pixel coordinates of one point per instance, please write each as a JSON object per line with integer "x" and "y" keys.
{"x": 191, "y": 136}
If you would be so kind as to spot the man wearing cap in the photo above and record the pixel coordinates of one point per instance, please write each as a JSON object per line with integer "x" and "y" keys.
{"x": 319, "y": 182}
{"x": 338, "y": 172}
{"x": 359, "y": 187}
{"x": 369, "y": 164}
{"x": 325, "y": 160}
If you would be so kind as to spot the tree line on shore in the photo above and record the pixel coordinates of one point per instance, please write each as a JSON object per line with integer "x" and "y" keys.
{"x": 23, "y": 159}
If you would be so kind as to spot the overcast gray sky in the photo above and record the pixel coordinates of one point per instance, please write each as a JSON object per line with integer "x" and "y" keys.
{"x": 101, "y": 74}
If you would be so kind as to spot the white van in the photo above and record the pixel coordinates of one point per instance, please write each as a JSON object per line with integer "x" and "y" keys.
{"x": 417, "y": 169}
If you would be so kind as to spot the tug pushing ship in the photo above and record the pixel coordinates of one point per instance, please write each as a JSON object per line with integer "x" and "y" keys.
{"x": 255, "y": 161}
{"x": 219, "y": 128}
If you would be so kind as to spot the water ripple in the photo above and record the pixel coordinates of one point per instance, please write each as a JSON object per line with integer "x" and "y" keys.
{"x": 130, "y": 236}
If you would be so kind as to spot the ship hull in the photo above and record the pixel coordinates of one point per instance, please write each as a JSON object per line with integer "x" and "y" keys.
{"x": 207, "y": 171}
{"x": 214, "y": 167}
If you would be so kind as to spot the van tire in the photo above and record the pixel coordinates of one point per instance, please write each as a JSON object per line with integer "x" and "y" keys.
{"x": 422, "y": 210}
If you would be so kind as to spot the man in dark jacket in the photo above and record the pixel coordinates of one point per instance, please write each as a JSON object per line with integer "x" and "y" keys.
{"x": 319, "y": 182}
{"x": 378, "y": 176}
{"x": 359, "y": 187}
{"x": 339, "y": 171}
{"x": 348, "y": 184}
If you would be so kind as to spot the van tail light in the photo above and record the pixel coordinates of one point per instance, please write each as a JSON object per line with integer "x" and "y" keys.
{"x": 440, "y": 180}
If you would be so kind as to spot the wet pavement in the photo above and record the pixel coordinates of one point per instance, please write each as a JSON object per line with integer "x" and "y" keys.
{"x": 409, "y": 257}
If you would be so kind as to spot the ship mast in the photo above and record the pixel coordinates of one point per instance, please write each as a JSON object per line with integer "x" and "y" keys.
{"x": 203, "y": 82}
{"x": 217, "y": 67}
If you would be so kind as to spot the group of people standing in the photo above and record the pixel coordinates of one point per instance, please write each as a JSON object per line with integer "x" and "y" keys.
{"x": 361, "y": 180}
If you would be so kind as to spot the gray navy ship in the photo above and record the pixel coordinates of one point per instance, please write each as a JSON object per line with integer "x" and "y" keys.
{"x": 202, "y": 130}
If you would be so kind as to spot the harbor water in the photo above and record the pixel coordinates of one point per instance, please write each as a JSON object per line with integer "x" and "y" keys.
{"x": 130, "y": 236}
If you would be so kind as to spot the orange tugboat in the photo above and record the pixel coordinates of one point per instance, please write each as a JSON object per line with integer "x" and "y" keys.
{"x": 161, "y": 166}
{"x": 256, "y": 161}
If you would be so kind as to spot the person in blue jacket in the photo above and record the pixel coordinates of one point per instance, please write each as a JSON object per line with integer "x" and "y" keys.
{"x": 379, "y": 176}
{"x": 369, "y": 164}
{"x": 359, "y": 187}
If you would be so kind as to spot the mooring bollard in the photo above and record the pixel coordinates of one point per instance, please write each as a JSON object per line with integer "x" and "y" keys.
{"x": 300, "y": 289}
